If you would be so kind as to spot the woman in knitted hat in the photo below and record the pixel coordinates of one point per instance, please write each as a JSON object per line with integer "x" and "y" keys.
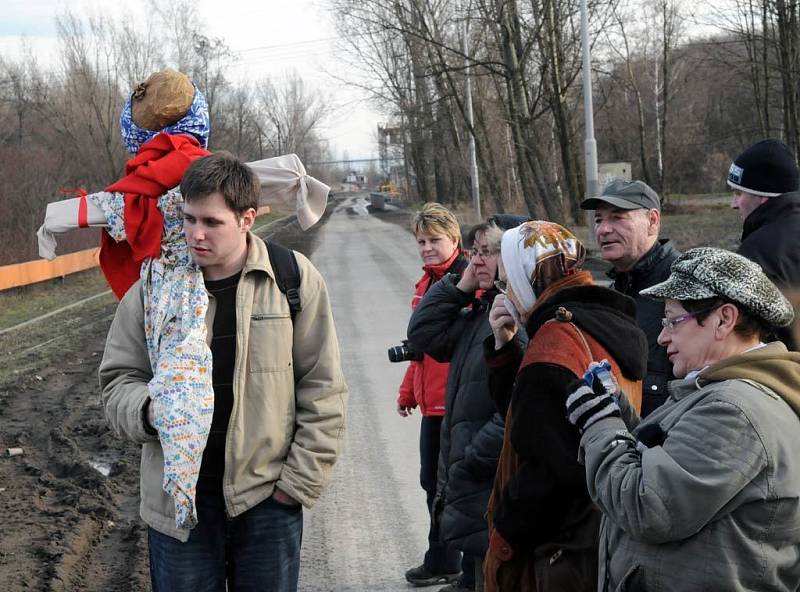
{"x": 703, "y": 493}
{"x": 543, "y": 525}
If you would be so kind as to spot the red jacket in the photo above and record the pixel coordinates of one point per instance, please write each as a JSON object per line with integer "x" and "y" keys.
{"x": 425, "y": 381}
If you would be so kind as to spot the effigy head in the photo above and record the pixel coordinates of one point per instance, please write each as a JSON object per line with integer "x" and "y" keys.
{"x": 169, "y": 102}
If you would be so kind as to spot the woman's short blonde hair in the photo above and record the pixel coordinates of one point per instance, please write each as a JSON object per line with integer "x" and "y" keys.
{"x": 436, "y": 219}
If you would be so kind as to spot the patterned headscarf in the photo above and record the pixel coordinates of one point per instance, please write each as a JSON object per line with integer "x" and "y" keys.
{"x": 535, "y": 255}
{"x": 195, "y": 123}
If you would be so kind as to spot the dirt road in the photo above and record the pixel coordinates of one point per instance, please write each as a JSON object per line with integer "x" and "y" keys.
{"x": 70, "y": 502}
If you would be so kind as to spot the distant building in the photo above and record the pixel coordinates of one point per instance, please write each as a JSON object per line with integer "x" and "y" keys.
{"x": 356, "y": 178}
{"x": 608, "y": 171}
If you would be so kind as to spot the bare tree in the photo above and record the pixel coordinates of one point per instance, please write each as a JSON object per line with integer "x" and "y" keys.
{"x": 787, "y": 17}
{"x": 670, "y": 25}
{"x": 292, "y": 115}
{"x": 178, "y": 22}
{"x": 627, "y": 54}
{"x": 85, "y": 109}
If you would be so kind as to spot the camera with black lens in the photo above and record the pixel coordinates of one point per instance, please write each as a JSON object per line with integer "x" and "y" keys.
{"x": 404, "y": 353}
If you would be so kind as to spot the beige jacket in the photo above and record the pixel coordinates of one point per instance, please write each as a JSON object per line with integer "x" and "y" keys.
{"x": 288, "y": 417}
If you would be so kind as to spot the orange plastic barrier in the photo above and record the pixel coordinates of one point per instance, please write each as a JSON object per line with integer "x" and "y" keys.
{"x": 22, "y": 274}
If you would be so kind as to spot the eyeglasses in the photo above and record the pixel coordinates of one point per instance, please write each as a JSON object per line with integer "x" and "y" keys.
{"x": 501, "y": 286}
{"x": 670, "y": 324}
{"x": 482, "y": 253}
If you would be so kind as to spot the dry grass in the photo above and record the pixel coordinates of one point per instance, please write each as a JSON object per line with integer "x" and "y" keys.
{"x": 695, "y": 226}
{"x": 21, "y": 304}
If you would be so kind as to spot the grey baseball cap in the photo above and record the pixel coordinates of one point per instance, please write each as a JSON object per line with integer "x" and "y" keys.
{"x": 628, "y": 195}
{"x": 708, "y": 272}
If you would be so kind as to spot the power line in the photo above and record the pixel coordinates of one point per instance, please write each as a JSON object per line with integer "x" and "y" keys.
{"x": 296, "y": 43}
{"x": 352, "y": 160}
{"x": 292, "y": 44}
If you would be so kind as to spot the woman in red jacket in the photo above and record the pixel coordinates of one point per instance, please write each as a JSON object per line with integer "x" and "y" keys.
{"x": 439, "y": 242}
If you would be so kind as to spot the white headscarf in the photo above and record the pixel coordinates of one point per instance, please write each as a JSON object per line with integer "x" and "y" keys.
{"x": 538, "y": 252}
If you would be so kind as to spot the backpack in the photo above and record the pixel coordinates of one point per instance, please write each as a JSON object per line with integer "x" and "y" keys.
{"x": 287, "y": 274}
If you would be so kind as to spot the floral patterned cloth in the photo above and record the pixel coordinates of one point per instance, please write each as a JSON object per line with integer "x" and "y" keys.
{"x": 175, "y": 305}
{"x": 195, "y": 123}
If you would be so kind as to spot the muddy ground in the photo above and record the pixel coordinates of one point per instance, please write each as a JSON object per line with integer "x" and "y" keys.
{"x": 69, "y": 503}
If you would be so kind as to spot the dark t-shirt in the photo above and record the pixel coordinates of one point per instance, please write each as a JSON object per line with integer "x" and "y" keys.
{"x": 223, "y": 353}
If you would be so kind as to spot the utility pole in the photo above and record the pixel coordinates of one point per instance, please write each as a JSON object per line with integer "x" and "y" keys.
{"x": 473, "y": 160}
{"x": 405, "y": 153}
{"x": 590, "y": 145}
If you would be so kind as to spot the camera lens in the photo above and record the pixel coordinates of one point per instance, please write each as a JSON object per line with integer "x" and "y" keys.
{"x": 397, "y": 353}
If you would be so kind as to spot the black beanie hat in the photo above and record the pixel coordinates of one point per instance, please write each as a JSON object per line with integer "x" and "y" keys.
{"x": 766, "y": 169}
{"x": 507, "y": 221}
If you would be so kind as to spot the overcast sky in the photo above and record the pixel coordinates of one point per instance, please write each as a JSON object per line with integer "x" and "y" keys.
{"x": 271, "y": 36}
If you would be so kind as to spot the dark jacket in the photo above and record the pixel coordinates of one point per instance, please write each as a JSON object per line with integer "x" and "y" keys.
{"x": 540, "y": 511}
{"x": 450, "y": 326}
{"x": 548, "y": 490}
{"x": 651, "y": 269}
{"x": 771, "y": 238}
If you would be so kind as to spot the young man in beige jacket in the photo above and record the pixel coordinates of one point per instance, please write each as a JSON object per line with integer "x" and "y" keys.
{"x": 279, "y": 401}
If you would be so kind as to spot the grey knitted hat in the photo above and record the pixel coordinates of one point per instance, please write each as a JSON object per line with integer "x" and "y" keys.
{"x": 707, "y": 272}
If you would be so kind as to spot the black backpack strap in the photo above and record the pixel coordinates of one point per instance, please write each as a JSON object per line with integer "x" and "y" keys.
{"x": 287, "y": 274}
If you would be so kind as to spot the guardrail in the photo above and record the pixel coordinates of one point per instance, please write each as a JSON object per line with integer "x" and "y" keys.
{"x": 31, "y": 272}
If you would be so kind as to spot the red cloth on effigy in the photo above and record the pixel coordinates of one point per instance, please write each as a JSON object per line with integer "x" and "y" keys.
{"x": 157, "y": 168}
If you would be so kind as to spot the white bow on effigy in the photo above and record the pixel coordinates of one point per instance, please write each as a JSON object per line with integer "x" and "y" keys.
{"x": 284, "y": 179}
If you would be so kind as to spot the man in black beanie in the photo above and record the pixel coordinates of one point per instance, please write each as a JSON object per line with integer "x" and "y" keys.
{"x": 765, "y": 181}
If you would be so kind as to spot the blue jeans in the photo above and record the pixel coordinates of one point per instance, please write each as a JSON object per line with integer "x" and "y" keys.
{"x": 440, "y": 558}
{"x": 257, "y": 551}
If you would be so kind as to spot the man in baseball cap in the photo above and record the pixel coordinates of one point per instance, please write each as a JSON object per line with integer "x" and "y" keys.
{"x": 627, "y": 222}
{"x": 764, "y": 180}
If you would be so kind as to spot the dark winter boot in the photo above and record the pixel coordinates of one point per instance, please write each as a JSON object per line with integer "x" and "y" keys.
{"x": 420, "y": 576}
